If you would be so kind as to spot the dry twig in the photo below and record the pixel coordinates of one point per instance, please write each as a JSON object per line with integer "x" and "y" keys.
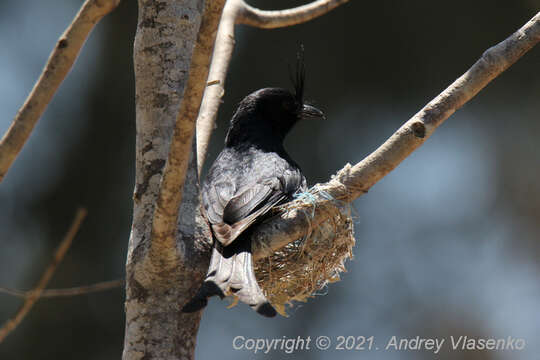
{"x": 272, "y": 19}
{"x": 73, "y": 291}
{"x": 60, "y": 62}
{"x": 35, "y": 294}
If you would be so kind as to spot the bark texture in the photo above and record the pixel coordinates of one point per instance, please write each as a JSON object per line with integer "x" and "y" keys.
{"x": 155, "y": 326}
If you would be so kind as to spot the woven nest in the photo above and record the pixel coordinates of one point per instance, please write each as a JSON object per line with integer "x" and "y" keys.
{"x": 304, "y": 266}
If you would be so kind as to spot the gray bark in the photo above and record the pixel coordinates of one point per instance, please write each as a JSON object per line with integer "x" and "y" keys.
{"x": 155, "y": 326}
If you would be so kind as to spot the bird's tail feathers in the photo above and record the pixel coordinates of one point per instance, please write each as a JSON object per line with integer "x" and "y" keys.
{"x": 231, "y": 273}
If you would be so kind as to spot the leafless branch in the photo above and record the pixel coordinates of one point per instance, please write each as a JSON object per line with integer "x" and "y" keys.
{"x": 218, "y": 72}
{"x": 35, "y": 294}
{"x": 281, "y": 18}
{"x": 60, "y": 62}
{"x": 74, "y": 291}
{"x": 353, "y": 181}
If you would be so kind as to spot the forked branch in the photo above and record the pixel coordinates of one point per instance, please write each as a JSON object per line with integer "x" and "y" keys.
{"x": 35, "y": 293}
{"x": 172, "y": 183}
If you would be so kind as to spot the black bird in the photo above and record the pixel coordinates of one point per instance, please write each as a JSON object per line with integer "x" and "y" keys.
{"x": 252, "y": 174}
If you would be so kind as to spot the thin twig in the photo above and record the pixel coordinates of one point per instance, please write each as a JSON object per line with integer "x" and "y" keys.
{"x": 170, "y": 194}
{"x": 74, "y": 291}
{"x": 353, "y": 181}
{"x": 60, "y": 62}
{"x": 271, "y": 19}
{"x": 42, "y": 283}
{"x": 237, "y": 11}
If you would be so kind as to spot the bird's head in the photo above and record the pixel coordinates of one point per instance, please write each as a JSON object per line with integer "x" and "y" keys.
{"x": 270, "y": 113}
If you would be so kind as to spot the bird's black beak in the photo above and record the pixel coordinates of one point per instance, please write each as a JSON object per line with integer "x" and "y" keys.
{"x": 309, "y": 111}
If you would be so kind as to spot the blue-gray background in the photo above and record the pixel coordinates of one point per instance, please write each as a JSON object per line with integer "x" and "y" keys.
{"x": 447, "y": 244}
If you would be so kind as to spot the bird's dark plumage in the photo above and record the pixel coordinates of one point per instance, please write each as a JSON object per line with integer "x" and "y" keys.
{"x": 252, "y": 174}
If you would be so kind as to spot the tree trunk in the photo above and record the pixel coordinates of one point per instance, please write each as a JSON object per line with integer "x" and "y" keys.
{"x": 155, "y": 292}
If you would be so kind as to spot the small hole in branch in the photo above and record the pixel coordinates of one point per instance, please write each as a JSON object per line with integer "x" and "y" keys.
{"x": 419, "y": 129}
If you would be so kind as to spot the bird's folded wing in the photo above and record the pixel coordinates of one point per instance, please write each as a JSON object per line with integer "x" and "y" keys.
{"x": 244, "y": 208}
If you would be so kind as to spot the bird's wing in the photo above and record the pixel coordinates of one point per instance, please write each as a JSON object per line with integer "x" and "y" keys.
{"x": 248, "y": 204}
{"x": 249, "y": 198}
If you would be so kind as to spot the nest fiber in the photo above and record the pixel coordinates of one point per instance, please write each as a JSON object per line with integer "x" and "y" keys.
{"x": 304, "y": 266}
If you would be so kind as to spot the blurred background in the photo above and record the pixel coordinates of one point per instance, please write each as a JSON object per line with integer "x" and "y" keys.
{"x": 447, "y": 244}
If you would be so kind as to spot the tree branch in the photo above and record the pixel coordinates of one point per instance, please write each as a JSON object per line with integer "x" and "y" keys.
{"x": 353, "y": 181}
{"x": 216, "y": 79}
{"x": 273, "y": 19}
{"x": 165, "y": 221}
{"x": 60, "y": 62}
{"x": 74, "y": 291}
{"x": 237, "y": 11}
{"x": 35, "y": 294}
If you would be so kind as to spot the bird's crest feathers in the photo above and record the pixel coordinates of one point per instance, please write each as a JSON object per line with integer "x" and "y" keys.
{"x": 298, "y": 78}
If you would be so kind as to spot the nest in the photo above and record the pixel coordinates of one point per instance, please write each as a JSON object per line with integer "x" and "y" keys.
{"x": 306, "y": 265}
